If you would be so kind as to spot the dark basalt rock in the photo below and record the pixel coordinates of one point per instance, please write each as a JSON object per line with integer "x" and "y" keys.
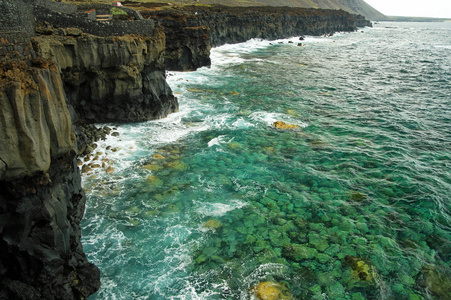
{"x": 41, "y": 256}
{"x": 112, "y": 79}
{"x": 192, "y": 30}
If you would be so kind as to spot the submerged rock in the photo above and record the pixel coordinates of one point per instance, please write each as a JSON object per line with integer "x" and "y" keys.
{"x": 299, "y": 252}
{"x": 437, "y": 281}
{"x": 154, "y": 180}
{"x": 212, "y": 224}
{"x": 269, "y": 290}
{"x": 177, "y": 165}
{"x": 356, "y": 196}
{"x": 283, "y": 125}
{"x": 151, "y": 167}
{"x": 362, "y": 271}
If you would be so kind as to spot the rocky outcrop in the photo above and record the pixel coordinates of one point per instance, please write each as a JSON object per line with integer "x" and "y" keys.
{"x": 42, "y": 202}
{"x": 41, "y": 256}
{"x": 239, "y": 24}
{"x": 36, "y": 124}
{"x": 187, "y": 47}
{"x": 111, "y": 79}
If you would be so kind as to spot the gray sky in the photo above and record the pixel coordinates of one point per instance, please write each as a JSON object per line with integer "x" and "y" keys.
{"x": 413, "y": 8}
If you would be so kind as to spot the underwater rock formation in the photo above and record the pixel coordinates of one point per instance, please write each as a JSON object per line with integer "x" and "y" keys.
{"x": 269, "y": 290}
{"x": 298, "y": 252}
{"x": 436, "y": 281}
{"x": 362, "y": 271}
{"x": 283, "y": 125}
{"x": 212, "y": 224}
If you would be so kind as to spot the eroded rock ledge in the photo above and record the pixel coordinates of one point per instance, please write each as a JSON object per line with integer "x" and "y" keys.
{"x": 111, "y": 79}
{"x": 41, "y": 199}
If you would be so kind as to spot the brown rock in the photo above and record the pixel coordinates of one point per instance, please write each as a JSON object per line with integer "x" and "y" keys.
{"x": 269, "y": 290}
{"x": 283, "y": 125}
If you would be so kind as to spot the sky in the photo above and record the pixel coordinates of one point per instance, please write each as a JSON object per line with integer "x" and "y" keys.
{"x": 413, "y": 8}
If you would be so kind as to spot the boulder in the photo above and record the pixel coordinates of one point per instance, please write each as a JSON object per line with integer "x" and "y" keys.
{"x": 283, "y": 125}
{"x": 269, "y": 290}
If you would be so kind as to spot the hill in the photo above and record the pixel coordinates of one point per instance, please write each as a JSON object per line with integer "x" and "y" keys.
{"x": 352, "y": 6}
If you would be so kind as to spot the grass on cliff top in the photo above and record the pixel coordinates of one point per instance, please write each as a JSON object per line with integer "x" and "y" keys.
{"x": 134, "y": 3}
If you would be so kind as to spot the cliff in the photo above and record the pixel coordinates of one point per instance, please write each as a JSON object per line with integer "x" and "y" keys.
{"x": 50, "y": 83}
{"x": 213, "y": 26}
{"x": 34, "y": 114}
{"x": 111, "y": 79}
{"x": 42, "y": 202}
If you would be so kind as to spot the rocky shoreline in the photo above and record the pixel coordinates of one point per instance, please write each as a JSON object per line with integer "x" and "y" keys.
{"x": 192, "y": 30}
{"x": 57, "y": 78}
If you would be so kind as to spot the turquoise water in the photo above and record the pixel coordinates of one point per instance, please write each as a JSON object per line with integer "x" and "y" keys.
{"x": 352, "y": 203}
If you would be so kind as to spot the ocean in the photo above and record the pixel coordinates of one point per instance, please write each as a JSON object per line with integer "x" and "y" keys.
{"x": 350, "y": 202}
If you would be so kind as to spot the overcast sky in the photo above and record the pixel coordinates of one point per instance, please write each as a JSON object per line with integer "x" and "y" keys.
{"x": 413, "y": 8}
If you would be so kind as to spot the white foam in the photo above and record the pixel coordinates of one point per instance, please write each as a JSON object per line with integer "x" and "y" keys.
{"x": 218, "y": 209}
{"x": 443, "y": 46}
{"x": 217, "y": 141}
{"x": 269, "y": 118}
{"x": 190, "y": 293}
{"x": 242, "y": 124}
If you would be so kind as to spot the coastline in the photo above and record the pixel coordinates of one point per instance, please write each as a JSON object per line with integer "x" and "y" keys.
{"x": 45, "y": 180}
{"x": 215, "y": 157}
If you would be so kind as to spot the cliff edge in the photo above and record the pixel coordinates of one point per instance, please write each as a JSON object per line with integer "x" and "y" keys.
{"x": 42, "y": 202}
{"x": 111, "y": 79}
{"x": 41, "y": 199}
{"x": 191, "y": 30}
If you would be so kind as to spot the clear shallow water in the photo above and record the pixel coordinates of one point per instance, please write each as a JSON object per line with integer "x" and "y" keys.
{"x": 212, "y": 200}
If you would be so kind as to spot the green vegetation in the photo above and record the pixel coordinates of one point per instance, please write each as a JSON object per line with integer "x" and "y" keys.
{"x": 116, "y": 11}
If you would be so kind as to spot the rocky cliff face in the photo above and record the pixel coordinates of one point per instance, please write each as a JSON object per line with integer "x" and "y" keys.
{"x": 41, "y": 256}
{"x": 187, "y": 47}
{"x": 41, "y": 199}
{"x": 238, "y": 24}
{"x": 42, "y": 202}
{"x": 111, "y": 79}
{"x": 36, "y": 123}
